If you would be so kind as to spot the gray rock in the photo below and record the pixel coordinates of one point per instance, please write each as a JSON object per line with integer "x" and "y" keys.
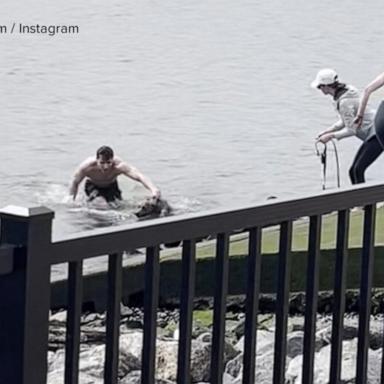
{"x": 351, "y": 326}
{"x": 235, "y": 366}
{"x": 131, "y": 342}
{"x": 238, "y": 328}
{"x": 201, "y": 359}
{"x": 263, "y": 369}
{"x": 265, "y": 340}
{"x": 94, "y": 320}
{"x": 295, "y": 343}
{"x": 166, "y": 360}
{"x": 205, "y": 337}
{"x": 166, "y": 356}
{"x": 135, "y": 378}
{"x": 322, "y": 365}
{"x": 324, "y": 336}
{"x": 59, "y": 317}
{"x": 198, "y": 330}
{"x": 227, "y": 379}
{"x": 51, "y": 357}
{"x": 91, "y": 361}
{"x": 125, "y": 311}
{"x": 57, "y": 377}
{"x": 89, "y": 335}
{"x": 134, "y": 324}
{"x": 295, "y": 323}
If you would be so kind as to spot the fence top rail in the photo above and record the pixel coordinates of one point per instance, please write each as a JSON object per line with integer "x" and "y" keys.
{"x": 171, "y": 229}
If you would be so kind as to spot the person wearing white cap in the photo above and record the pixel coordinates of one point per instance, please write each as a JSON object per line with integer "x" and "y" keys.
{"x": 347, "y": 99}
{"x": 374, "y": 85}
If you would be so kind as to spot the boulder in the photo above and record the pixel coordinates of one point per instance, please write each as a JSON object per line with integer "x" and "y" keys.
{"x": 135, "y": 378}
{"x": 91, "y": 361}
{"x": 348, "y": 372}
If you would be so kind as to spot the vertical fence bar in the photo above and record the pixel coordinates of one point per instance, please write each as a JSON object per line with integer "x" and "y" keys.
{"x": 311, "y": 298}
{"x": 252, "y": 305}
{"x": 151, "y": 300}
{"x": 382, "y": 367}
{"x": 282, "y": 302}
{"x": 339, "y": 295}
{"x": 367, "y": 258}
{"x": 115, "y": 262}
{"x": 219, "y": 309}
{"x": 72, "y": 344}
{"x": 25, "y": 296}
{"x": 188, "y": 265}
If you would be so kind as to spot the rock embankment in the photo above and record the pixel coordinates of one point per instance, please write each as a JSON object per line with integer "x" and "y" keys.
{"x": 92, "y": 349}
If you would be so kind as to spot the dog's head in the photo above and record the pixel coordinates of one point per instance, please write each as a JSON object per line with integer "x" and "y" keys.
{"x": 152, "y": 208}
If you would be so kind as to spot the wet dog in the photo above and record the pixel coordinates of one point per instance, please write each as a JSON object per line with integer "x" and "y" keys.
{"x": 152, "y": 208}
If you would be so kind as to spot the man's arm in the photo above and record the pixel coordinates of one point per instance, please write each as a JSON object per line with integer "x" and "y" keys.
{"x": 134, "y": 174}
{"x": 76, "y": 180}
{"x": 80, "y": 173}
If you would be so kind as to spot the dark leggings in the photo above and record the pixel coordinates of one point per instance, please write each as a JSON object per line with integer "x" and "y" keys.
{"x": 369, "y": 151}
{"x": 379, "y": 124}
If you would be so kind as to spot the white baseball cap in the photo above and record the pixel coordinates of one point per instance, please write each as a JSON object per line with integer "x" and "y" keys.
{"x": 325, "y": 76}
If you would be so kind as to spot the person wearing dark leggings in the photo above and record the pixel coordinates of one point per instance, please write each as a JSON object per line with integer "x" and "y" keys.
{"x": 347, "y": 100}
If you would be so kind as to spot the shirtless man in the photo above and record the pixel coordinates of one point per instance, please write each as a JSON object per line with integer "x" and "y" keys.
{"x": 101, "y": 174}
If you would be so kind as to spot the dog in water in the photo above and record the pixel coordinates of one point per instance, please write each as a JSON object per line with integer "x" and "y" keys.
{"x": 152, "y": 208}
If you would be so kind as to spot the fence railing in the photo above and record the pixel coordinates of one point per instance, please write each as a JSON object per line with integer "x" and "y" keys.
{"x": 27, "y": 254}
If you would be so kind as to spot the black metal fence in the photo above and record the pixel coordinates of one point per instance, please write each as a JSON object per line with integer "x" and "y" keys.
{"x": 27, "y": 254}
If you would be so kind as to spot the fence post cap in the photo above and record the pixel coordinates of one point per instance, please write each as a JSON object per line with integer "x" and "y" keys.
{"x": 24, "y": 212}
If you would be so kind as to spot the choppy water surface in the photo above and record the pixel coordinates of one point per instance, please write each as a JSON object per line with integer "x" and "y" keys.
{"x": 209, "y": 99}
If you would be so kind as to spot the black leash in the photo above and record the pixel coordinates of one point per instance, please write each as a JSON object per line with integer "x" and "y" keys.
{"x": 323, "y": 160}
{"x": 337, "y": 164}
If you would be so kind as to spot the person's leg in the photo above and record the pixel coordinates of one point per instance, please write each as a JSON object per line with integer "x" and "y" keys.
{"x": 352, "y": 170}
{"x": 369, "y": 151}
{"x": 379, "y": 124}
{"x": 117, "y": 191}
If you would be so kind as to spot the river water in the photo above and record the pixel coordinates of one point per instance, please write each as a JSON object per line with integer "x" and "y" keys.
{"x": 210, "y": 99}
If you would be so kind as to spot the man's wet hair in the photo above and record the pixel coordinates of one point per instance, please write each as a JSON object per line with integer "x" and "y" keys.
{"x": 105, "y": 152}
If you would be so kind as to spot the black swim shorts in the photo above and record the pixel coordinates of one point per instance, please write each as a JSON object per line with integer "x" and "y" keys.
{"x": 109, "y": 193}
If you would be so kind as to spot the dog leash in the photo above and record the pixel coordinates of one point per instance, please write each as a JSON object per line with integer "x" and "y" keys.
{"x": 323, "y": 160}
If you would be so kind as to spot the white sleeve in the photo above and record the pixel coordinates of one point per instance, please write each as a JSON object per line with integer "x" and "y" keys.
{"x": 337, "y": 126}
{"x": 343, "y": 133}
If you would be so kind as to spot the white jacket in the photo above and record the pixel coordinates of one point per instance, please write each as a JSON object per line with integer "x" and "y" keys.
{"x": 347, "y": 105}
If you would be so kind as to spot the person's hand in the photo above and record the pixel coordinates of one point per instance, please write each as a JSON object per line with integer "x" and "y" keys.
{"x": 325, "y": 138}
{"x": 358, "y": 120}
{"x": 156, "y": 194}
{"x": 321, "y": 134}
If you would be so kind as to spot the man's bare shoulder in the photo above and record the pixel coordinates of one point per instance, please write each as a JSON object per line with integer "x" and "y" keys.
{"x": 122, "y": 165}
{"x": 87, "y": 165}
